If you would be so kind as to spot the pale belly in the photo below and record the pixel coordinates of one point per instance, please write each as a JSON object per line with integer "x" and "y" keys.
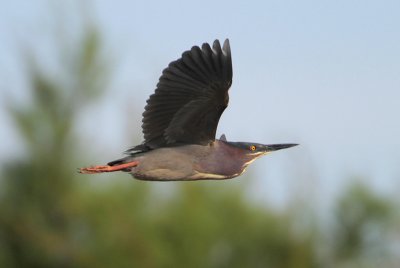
{"x": 172, "y": 175}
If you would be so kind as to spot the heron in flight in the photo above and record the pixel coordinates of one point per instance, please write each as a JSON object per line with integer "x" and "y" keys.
{"x": 180, "y": 122}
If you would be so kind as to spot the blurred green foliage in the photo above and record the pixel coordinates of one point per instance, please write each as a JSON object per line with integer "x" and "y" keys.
{"x": 52, "y": 217}
{"x": 363, "y": 220}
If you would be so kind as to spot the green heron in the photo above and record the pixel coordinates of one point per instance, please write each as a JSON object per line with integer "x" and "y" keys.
{"x": 180, "y": 122}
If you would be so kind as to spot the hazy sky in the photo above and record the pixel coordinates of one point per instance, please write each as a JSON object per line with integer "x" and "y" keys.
{"x": 325, "y": 74}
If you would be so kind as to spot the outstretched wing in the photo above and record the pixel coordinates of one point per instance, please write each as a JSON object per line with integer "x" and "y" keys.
{"x": 190, "y": 97}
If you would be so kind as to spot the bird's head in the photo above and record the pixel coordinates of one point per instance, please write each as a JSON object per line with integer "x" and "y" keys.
{"x": 254, "y": 150}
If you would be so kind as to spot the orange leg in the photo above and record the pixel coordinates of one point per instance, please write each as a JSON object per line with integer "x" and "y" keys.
{"x": 107, "y": 168}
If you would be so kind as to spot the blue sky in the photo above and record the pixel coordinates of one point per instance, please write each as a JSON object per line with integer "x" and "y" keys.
{"x": 325, "y": 74}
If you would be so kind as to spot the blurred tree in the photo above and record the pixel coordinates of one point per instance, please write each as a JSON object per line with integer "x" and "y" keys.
{"x": 201, "y": 225}
{"x": 363, "y": 225}
{"x": 35, "y": 212}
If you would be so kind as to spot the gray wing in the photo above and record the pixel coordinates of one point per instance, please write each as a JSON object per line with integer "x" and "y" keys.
{"x": 190, "y": 97}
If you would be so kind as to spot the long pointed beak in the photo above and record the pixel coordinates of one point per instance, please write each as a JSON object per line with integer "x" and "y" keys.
{"x": 276, "y": 147}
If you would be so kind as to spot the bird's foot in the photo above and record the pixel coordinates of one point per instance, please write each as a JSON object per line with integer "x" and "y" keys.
{"x": 107, "y": 168}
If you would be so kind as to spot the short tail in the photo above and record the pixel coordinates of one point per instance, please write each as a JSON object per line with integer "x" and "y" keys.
{"x": 117, "y": 165}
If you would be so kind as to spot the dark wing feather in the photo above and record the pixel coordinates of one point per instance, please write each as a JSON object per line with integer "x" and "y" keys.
{"x": 190, "y": 97}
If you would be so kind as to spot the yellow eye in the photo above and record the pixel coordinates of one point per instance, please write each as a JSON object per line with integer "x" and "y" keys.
{"x": 252, "y": 148}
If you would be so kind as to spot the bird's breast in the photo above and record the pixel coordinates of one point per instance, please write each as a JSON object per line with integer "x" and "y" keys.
{"x": 221, "y": 163}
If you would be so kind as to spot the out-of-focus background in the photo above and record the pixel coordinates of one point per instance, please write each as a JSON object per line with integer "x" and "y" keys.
{"x": 74, "y": 78}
